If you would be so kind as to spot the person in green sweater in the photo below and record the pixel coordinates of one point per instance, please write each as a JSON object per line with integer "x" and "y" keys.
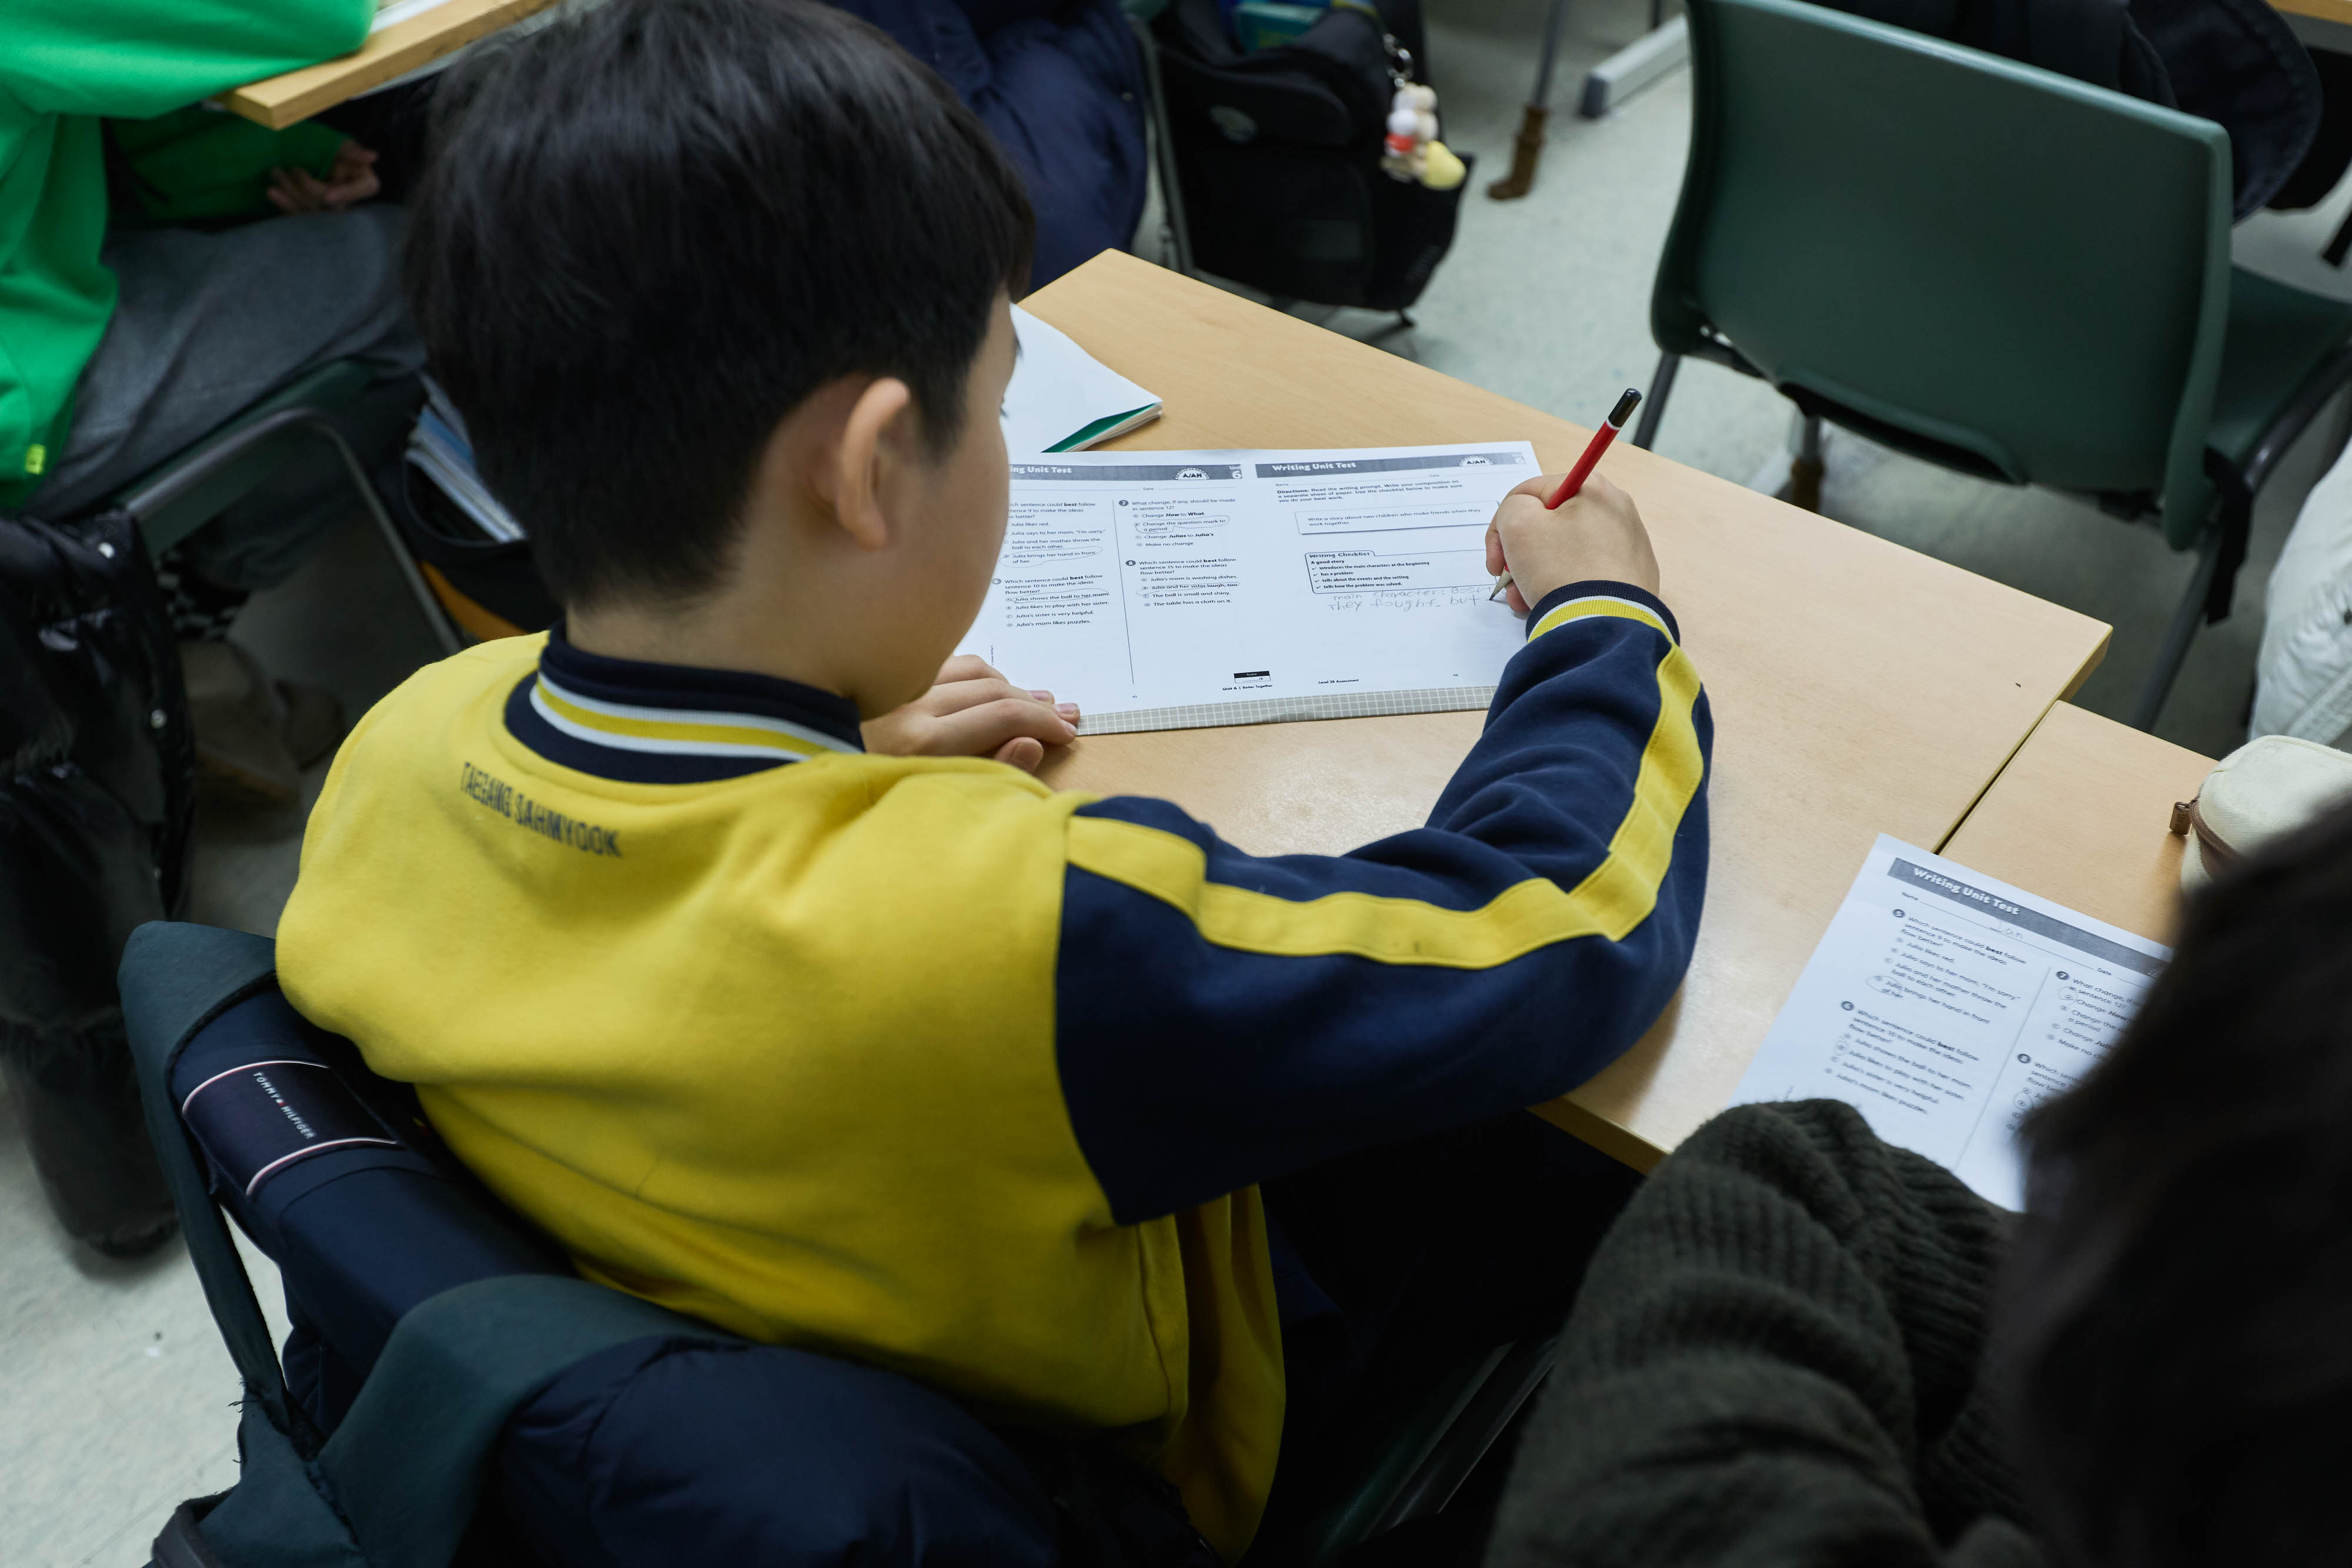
{"x": 138, "y": 309}
{"x": 1799, "y": 1346}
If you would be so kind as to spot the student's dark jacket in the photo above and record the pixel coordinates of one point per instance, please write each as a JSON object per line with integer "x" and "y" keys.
{"x": 1776, "y": 1362}
{"x": 1060, "y": 84}
{"x": 2232, "y": 61}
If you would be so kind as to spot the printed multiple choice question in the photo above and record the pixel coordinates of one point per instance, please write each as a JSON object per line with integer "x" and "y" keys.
{"x": 1153, "y": 581}
{"x": 1945, "y": 1006}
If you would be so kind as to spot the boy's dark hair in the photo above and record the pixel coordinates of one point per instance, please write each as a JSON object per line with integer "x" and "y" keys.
{"x": 2179, "y": 1310}
{"x": 653, "y": 229}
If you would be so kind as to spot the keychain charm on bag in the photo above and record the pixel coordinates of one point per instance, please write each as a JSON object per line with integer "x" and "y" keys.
{"x": 1413, "y": 151}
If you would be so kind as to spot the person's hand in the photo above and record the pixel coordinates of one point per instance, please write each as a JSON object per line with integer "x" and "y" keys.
{"x": 975, "y": 711}
{"x": 351, "y": 178}
{"x": 1596, "y": 533}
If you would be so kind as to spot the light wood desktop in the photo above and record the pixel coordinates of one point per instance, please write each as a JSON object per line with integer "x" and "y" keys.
{"x": 2082, "y": 815}
{"x": 2326, "y": 10}
{"x": 1857, "y": 688}
{"x": 280, "y": 101}
{"x": 2335, "y": 16}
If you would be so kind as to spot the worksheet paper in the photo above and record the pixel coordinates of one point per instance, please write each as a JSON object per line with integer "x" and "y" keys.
{"x": 1062, "y": 398}
{"x": 1174, "y": 590}
{"x": 1945, "y": 1006}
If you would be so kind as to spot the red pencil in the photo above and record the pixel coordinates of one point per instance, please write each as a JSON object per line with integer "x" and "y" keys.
{"x": 1595, "y": 448}
{"x": 1586, "y": 464}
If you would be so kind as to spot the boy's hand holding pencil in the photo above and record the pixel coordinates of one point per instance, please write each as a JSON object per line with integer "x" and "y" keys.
{"x": 1570, "y": 487}
{"x": 1596, "y": 535}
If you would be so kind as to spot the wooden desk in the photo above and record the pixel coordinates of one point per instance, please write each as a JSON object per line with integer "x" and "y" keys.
{"x": 2322, "y": 24}
{"x": 2080, "y": 815}
{"x": 1857, "y": 688}
{"x": 399, "y": 48}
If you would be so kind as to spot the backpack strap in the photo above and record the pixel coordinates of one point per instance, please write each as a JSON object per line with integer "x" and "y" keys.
{"x": 398, "y": 1484}
{"x": 175, "y": 979}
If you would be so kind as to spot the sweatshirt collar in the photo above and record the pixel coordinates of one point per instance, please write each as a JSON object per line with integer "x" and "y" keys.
{"x": 640, "y": 721}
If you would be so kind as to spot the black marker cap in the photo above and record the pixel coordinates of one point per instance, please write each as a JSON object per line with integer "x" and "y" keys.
{"x": 1624, "y": 409}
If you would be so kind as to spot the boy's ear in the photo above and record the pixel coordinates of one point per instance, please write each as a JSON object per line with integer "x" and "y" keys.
{"x": 875, "y": 436}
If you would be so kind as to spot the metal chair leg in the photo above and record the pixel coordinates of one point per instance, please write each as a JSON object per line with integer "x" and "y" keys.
{"x": 188, "y": 476}
{"x": 2237, "y": 530}
{"x": 1648, "y": 58}
{"x": 1178, "y": 236}
{"x": 1653, "y": 407}
{"x": 1526, "y": 150}
{"x": 1511, "y": 1378}
{"x": 428, "y": 604}
{"x": 2182, "y": 632}
{"x": 1805, "y": 467}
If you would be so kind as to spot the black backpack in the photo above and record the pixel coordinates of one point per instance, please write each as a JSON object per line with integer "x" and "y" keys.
{"x": 96, "y": 807}
{"x": 1277, "y": 156}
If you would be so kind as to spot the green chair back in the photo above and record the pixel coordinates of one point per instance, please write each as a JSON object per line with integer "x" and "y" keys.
{"x": 1985, "y": 264}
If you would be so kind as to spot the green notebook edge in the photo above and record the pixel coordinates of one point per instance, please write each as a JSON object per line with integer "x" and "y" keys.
{"x": 1102, "y": 429}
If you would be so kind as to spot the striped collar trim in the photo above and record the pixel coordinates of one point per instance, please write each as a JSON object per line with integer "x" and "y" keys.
{"x": 677, "y": 731}
{"x": 647, "y": 723}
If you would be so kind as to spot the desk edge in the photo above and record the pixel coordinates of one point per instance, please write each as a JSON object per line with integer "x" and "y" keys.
{"x": 294, "y": 95}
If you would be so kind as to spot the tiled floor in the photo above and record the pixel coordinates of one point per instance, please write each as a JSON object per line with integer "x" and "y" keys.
{"x": 115, "y": 1396}
{"x": 118, "y": 1398}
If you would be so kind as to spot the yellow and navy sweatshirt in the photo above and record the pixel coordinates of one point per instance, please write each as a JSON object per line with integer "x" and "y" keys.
{"x": 916, "y": 1060}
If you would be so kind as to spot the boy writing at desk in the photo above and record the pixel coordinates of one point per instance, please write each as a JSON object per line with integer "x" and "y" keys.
{"x": 779, "y": 998}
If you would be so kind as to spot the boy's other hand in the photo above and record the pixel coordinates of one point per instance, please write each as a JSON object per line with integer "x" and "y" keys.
{"x": 1595, "y": 535}
{"x": 351, "y": 178}
{"x": 975, "y": 711}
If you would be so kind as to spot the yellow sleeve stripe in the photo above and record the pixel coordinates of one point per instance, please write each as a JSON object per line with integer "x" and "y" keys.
{"x": 1597, "y": 604}
{"x": 1615, "y": 898}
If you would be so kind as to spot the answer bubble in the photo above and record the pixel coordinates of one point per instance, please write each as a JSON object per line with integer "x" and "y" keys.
{"x": 2064, "y": 976}
{"x": 2025, "y": 1059}
{"x": 1847, "y": 1006}
{"x": 1898, "y": 914}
